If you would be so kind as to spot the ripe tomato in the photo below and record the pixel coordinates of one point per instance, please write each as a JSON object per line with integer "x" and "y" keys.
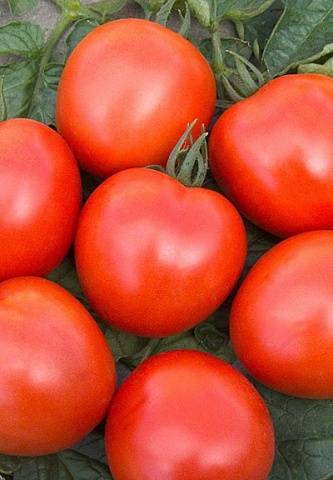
{"x": 40, "y": 195}
{"x": 186, "y": 415}
{"x": 154, "y": 257}
{"x": 273, "y": 154}
{"x": 282, "y": 317}
{"x": 127, "y": 93}
{"x": 57, "y": 374}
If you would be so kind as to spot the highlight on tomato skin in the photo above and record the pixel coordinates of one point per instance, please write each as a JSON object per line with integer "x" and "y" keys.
{"x": 57, "y": 373}
{"x": 281, "y": 317}
{"x": 272, "y": 154}
{"x": 186, "y": 415}
{"x": 154, "y": 257}
{"x": 40, "y": 198}
{"x": 134, "y": 85}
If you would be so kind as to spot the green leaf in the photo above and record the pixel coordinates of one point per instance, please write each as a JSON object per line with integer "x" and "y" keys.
{"x": 123, "y": 344}
{"x": 241, "y": 10}
{"x": 21, "y": 7}
{"x": 303, "y": 34}
{"x": 21, "y": 78}
{"x": 186, "y": 340}
{"x": 206, "y": 337}
{"x": 80, "y": 29}
{"x": 304, "y": 434}
{"x": 259, "y": 242}
{"x": 202, "y": 11}
{"x": 9, "y": 465}
{"x": 323, "y": 69}
{"x": 86, "y": 461}
{"x": 260, "y": 28}
{"x": 164, "y": 12}
{"x": 21, "y": 38}
{"x": 43, "y": 107}
{"x": 52, "y": 74}
{"x": 150, "y": 7}
{"x": 107, "y": 8}
{"x": 214, "y": 341}
{"x": 92, "y": 446}
{"x": 66, "y": 276}
{"x": 3, "y": 104}
{"x": 19, "y": 82}
{"x": 185, "y": 27}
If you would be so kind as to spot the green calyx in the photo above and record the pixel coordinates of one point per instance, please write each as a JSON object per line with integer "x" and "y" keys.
{"x": 244, "y": 80}
{"x": 188, "y": 161}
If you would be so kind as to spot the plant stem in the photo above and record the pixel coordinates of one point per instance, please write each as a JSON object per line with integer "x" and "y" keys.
{"x": 64, "y": 21}
{"x": 3, "y": 106}
{"x": 218, "y": 62}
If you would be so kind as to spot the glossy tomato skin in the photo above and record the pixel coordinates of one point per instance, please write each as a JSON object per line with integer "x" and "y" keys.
{"x": 155, "y": 258}
{"x": 273, "y": 154}
{"x": 57, "y": 373}
{"x": 40, "y": 195}
{"x": 186, "y": 415}
{"x": 282, "y": 317}
{"x": 134, "y": 85}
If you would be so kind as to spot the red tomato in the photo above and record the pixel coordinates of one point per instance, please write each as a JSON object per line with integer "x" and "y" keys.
{"x": 186, "y": 415}
{"x": 282, "y": 317}
{"x": 273, "y": 154}
{"x": 127, "y": 93}
{"x": 154, "y": 257}
{"x": 40, "y": 195}
{"x": 57, "y": 374}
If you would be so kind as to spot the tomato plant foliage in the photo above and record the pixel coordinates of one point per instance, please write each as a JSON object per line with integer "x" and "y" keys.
{"x": 312, "y": 39}
{"x": 20, "y": 7}
{"x": 276, "y": 36}
{"x": 304, "y": 433}
{"x": 85, "y": 461}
